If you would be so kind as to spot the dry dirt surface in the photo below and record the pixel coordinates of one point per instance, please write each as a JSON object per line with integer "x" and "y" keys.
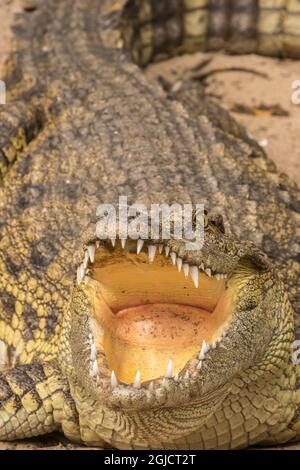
{"x": 256, "y": 90}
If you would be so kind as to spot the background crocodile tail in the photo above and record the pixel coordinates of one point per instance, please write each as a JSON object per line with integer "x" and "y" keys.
{"x": 159, "y": 28}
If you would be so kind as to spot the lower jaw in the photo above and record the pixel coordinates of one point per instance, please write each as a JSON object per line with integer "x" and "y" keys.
{"x": 146, "y": 338}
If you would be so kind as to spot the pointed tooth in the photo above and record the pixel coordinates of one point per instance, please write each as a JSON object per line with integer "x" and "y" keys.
{"x": 203, "y": 350}
{"x": 202, "y": 267}
{"x": 139, "y": 246}
{"x": 137, "y": 380}
{"x": 95, "y": 369}
{"x": 151, "y": 386}
{"x": 93, "y": 352}
{"x": 167, "y": 250}
{"x": 97, "y": 244}
{"x": 173, "y": 257}
{"x": 113, "y": 380}
{"x": 176, "y": 378}
{"x": 199, "y": 365}
{"x": 113, "y": 242}
{"x": 194, "y": 272}
{"x": 160, "y": 249}
{"x": 86, "y": 259}
{"x": 151, "y": 253}
{"x": 214, "y": 345}
{"x": 187, "y": 375}
{"x": 186, "y": 269}
{"x": 80, "y": 274}
{"x": 179, "y": 264}
{"x": 123, "y": 242}
{"x": 170, "y": 370}
{"x": 208, "y": 272}
{"x": 91, "y": 252}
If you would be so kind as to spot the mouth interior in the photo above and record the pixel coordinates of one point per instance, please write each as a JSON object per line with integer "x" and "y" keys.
{"x": 150, "y": 313}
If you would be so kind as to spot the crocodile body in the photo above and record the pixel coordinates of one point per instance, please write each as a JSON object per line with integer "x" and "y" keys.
{"x": 82, "y": 126}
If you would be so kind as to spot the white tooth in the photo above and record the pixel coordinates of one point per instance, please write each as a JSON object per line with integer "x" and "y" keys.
{"x": 82, "y": 271}
{"x": 203, "y": 350}
{"x": 86, "y": 259}
{"x": 139, "y": 246}
{"x": 167, "y": 250}
{"x": 93, "y": 352}
{"x": 186, "y": 269}
{"x": 186, "y": 375}
{"x": 213, "y": 345}
{"x": 113, "y": 242}
{"x": 176, "y": 378}
{"x": 91, "y": 252}
{"x": 218, "y": 277}
{"x": 97, "y": 244}
{"x": 113, "y": 380}
{"x": 179, "y": 264}
{"x": 80, "y": 274}
{"x": 123, "y": 242}
{"x": 173, "y": 257}
{"x": 169, "y": 372}
{"x": 199, "y": 365}
{"x": 202, "y": 267}
{"x": 151, "y": 253}
{"x": 137, "y": 380}
{"x": 208, "y": 272}
{"x": 151, "y": 386}
{"x": 160, "y": 249}
{"x": 95, "y": 369}
{"x": 194, "y": 275}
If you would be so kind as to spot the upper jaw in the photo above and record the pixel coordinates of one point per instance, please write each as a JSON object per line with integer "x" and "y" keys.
{"x": 218, "y": 257}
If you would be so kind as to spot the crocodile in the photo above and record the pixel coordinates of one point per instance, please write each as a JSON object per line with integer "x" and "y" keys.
{"x": 143, "y": 343}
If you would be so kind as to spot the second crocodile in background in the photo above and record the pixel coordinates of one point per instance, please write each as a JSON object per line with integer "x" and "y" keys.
{"x": 143, "y": 344}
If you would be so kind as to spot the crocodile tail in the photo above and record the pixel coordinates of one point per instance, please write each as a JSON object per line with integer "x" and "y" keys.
{"x": 155, "y": 29}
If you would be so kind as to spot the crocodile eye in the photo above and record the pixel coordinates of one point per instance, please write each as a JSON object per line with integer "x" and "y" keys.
{"x": 218, "y": 222}
{"x": 205, "y": 219}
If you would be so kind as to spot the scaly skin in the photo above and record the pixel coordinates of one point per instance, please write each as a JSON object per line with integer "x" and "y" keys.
{"x": 95, "y": 129}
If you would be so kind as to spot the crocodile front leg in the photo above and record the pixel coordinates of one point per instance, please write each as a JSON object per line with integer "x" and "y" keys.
{"x": 34, "y": 400}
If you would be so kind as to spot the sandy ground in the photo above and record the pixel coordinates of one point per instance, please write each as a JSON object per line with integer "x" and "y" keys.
{"x": 258, "y": 93}
{"x": 256, "y": 90}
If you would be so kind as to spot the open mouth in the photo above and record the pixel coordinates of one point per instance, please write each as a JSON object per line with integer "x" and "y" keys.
{"x": 156, "y": 314}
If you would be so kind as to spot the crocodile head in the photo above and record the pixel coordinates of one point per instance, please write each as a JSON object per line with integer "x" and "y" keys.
{"x": 157, "y": 327}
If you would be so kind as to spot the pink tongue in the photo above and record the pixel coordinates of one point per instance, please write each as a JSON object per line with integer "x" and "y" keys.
{"x": 146, "y": 337}
{"x": 156, "y": 323}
